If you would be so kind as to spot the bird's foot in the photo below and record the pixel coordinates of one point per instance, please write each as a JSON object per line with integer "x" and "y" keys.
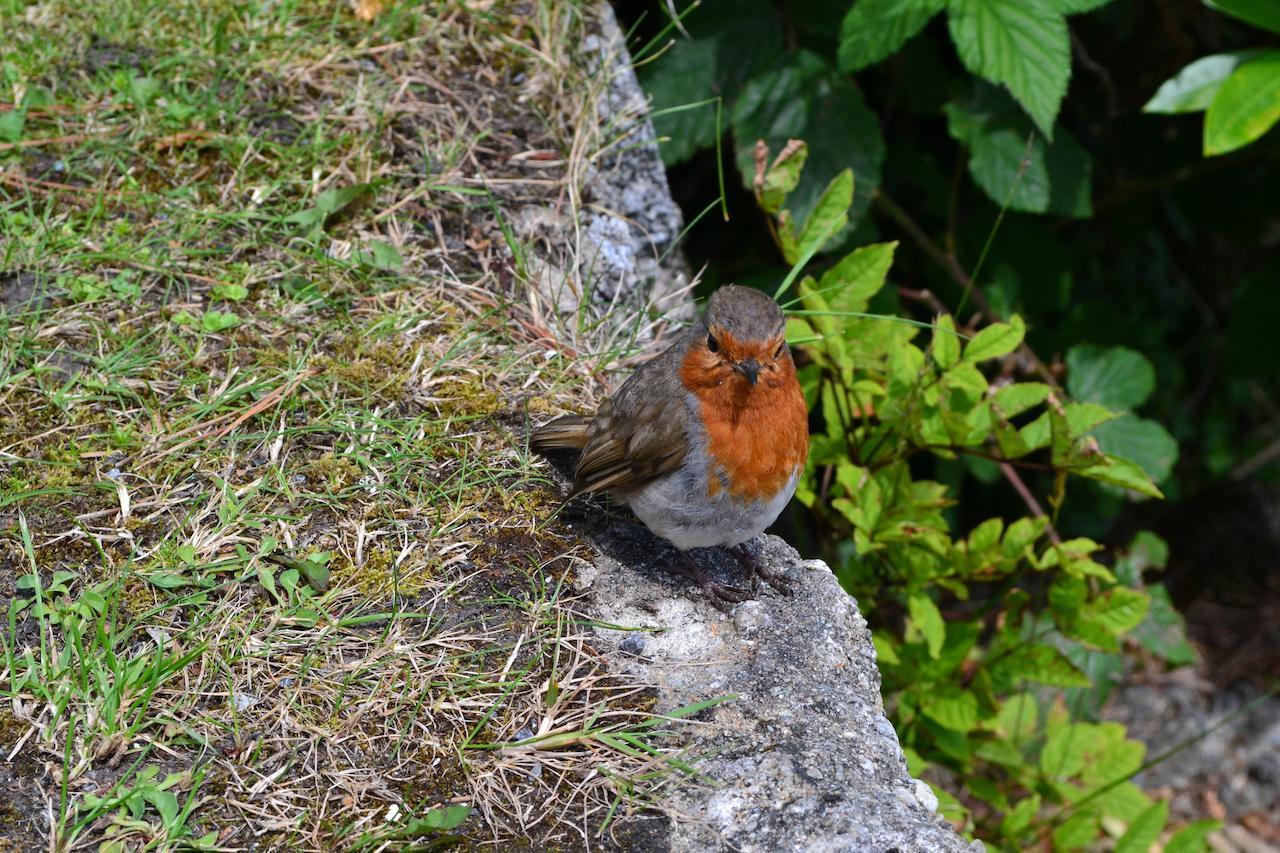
{"x": 722, "y": 596}
{"x": 758, "y": 571}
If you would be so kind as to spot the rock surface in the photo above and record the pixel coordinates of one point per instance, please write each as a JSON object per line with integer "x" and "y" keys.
{"x": 799, "y": 755}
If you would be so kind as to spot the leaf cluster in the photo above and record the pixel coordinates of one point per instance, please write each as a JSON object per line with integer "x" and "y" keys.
{"x": 990, "y": 640}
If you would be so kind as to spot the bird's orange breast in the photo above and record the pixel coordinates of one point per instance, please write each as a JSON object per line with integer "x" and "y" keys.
{"x": 757, "y": 435}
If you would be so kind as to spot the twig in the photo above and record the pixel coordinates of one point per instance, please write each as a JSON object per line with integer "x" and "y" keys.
{"x": 949, "y": 262}
{"x": 1015, "y": 480}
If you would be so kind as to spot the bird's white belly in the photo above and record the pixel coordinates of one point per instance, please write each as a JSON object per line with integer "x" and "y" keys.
{"x": 678, "y": 508}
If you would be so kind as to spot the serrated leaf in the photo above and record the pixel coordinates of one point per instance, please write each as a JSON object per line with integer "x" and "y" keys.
{"x": 1191, "y": 90}
{"x": 1116, "y": 377}
{"x": 1245, "y": 107}
{"x": 1260, "y": 13}
{"x": 803, "y": 97}
{"x": 995, "y": 340}
{"x": 1145, "y": 830}
{"x": 928, "y": 620}
{"x": 874, "y": 29}
{"x": 1020, "y": 44}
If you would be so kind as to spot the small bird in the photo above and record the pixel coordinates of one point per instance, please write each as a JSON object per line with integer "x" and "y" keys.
{"x": 706, "y": 441}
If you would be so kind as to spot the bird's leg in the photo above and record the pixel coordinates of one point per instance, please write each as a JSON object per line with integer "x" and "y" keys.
{"x": 758, "y": 571}
{"x": 720, "y": 595}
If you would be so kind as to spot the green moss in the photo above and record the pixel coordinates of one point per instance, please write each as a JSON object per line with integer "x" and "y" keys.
{"x": 11, "y": 729}
{"x": 378, "y": 576}
{"x": 333, "y": 473}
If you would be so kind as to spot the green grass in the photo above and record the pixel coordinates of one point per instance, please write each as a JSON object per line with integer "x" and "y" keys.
{"x": 269, "y": 533}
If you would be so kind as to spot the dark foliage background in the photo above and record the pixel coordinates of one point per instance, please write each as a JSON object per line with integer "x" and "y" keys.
{"x": 1005, "y": 146}
{"x": 1173, "y": 254}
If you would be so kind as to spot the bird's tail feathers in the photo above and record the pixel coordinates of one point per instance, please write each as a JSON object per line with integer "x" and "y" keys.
{"x": 565, "y": 433}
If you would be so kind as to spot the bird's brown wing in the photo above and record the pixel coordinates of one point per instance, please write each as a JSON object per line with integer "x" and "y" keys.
{"x": 637, "y": 436}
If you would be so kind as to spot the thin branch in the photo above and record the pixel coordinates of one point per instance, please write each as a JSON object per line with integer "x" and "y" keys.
{"x": 1015, "y": 479}
{"x": 949, "y": 263}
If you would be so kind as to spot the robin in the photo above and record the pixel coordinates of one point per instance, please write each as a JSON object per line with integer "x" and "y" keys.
{"x": 706, "y": 441}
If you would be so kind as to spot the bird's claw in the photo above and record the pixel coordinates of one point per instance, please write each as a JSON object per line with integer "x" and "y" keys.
{"x": 758, "y": 571}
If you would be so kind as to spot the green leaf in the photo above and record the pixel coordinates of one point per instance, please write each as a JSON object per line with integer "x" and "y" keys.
{"x": 782, "y": 176}
{"x": 850, "y": 284}
{"x": 1076, "y": 832}
{"x": 1124, "y": 802}
{"x": 957, "y": 711}
{"x": 995, "y": 340}
{"x": 803, "y": 97}
{"x": 1016, "y": 398}
{"x": 381, "y": 255}
{"x": 1019, "y": 818}
{"x": 1123, "y": 473}
{"x": 1077, "y": 7}
{"x": 1119, "y": 610}
{"x": 928, "y": 620}
{"x": 1021, "y": 44}
{"x": 1142, "y": 441}
{"x": 1246, "y": 106}
{"x": 1260, "y": 13}
{"x": 143, "y": 90}
{"x": 164, "y": 802}
{"x": 328, "y": 203}
{"x": 679, "y": 82}
{"x": 166, "y": 580}
{"x": 1191, "y": 90}
{"x": 946, "y": 346}
{"x": 1118, "y": 759}
{"x": 11, "y": 125}
{"x": 218, "y": 321}
{"x": 1163, "y": 632}
{"x": 1145, "y": 831}
{"x": 229, "y": 292}
{"x": 1192, "y": 838}
{"x": 874, "y": 29}
{"x": 1014, "y": 164}
{"x": 1115, "y": 377}
{"x": 828, "y": 217}
{"x": 1018, "y": 717}
{"x": 1040, "y": 663}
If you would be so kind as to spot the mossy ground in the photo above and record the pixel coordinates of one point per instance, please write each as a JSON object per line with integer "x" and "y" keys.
{"x": 268, "y": 523}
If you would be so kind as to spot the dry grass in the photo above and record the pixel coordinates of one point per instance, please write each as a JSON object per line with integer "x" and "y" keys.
{"x": 269, "y": 341}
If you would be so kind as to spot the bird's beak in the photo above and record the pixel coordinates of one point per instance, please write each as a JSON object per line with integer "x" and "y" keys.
{"x": 749, "y": 368}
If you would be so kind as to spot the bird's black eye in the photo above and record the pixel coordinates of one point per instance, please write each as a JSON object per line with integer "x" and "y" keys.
{"x": 712, "y": 343}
